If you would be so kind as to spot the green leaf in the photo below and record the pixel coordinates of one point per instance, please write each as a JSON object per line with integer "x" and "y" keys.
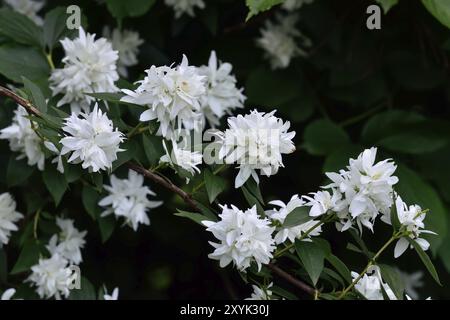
{"x": 55, "y": 182}
{"x": 153, "y": 148}
{"x": 55, "y": 27}
{"x": 312, "y": 257}
{"x": 257, "y": 6}
{"x": 28, "y": 257}
{"x": 130, "y": 8}
{"x": 393, "y": 279}
{"x": 254, "y": 189}
{"x": 106, "y": 225}
{"x": 439, "y": 9}
{"x": 214, "y": 185}
{"x": 414, "y": 142}
{"x": 196, "y": 217}
{"x": 37, "y": 97}
{"x": 16, "y": 63}
{"x": 395, "y": 221}
{"x": 252, "y": 201}
{"x": 340, "y": 267}
{"x": 86, "y": 291}
{"x": 130, "y": 147}
{"x": 90, "y": 198}
{"x": 414, "y": 190}
{"x": 297, "y": 216}
{"x": 425, "y": 259}
{"x": 18, "y": 171}
{"x": 387, "y": 4}
{"x": 323, "y": 137}
{"x": 20, "y": 28}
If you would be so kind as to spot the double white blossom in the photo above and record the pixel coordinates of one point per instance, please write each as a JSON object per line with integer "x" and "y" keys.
{"x": 172, "y": 96}
{"x": 181, "y": 7}
{"x": 411, "y": 218}
{"x": 255, "y": 141}
{"x": 29, "y": 8}
{"x": 127, "y": 43}
{"x": 371, "y": 284}
{"x": 8, "y": 217}
{"x": 69, "y": 242}
{"x": 261, "y": 293}
{"x": 23, "y": 139}
{"x": 89, "y": 67}
{"x": 128, "y": 199}
{"x": 222, "y": 96}
{"x": 91, "y": 140}
{"x": 291, "y": 5}
{"x": 280, "y": 215}
{"x": 182, "y": 157}
{"x": 243, "y": 237}
{"x": 279, "y": 41}
{"x": 52, "y": 277}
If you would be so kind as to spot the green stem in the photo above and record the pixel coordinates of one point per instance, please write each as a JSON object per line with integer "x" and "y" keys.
{"x": 135, "y": 129}
{"x": 361, "y": 116}
{"x": 50, "y": 60}
{"x": 35, "y": 223}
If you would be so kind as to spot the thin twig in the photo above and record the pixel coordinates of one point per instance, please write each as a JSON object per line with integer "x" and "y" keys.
{"x": 298, "y": 283}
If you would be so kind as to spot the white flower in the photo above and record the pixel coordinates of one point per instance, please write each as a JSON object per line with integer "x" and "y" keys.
{"x": 244, "y": 237}
{"x": 52, "y": 277}
{"x": 411, "y": 218}
{"x": 366, "y": 188}
{"x": 127, "y": 42}
{"x": 91, "y": 140}
{"x": 8, "y": 217}
{"x": 128, "y": 199}
{"x": 182, "y": 157}
{"x": 29, "y": 8}
{"x": 322, "y": 201}
{"x": 7, "y": 295}
{"x": 278, "y": 40}
{"x": 222, "y": 96}
{"x": 89, "y": 66}
{"x": 184, "y": 6}
{"x": 172, "y": 96}
{"x": 261, "y": 293}
{"x": 256, "y": 141}
{"x": 113, "y": 296}
{"x": 412, "y": 281}
{"x": 69, "y": 242}
{"x": 280, "y": 215}
{"x": 23, "y": 139}
{"x": 291, "y": 5}
{"x": 371, "y": 283}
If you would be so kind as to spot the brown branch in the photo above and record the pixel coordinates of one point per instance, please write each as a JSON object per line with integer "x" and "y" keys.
{"x": 299, "y": 284}
{"x": 133, "y": 166}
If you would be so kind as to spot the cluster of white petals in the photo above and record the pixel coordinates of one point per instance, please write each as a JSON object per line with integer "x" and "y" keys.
{"x": 371, "y": 285}
{"x": 243, "y": 236}
{"x": 29, "y": 8}
{"x": 8, "y": 217}
{"x": 23, "y": 139}
{"x": 279, "y": 41}
{"x": 91, "y": 140}
{"x": 68, "y": 243}
{"x": 291, "y": 5}
{"x": 127, "y": 198}
{"x": 182, "y": 157}
{"x": 52, "y": 277}
{"x": 255, "y": 141}
{"x": 291, "y": 233}
{"x": 261, "y": 293}
{"x": 181, "y": 7}
{"x": 127, "y": 43}
{"x": 411, "y": 218}
{"x": 172, "y": 96}
{"x": 221, "y": 96}
{"x": 89, "y": 67}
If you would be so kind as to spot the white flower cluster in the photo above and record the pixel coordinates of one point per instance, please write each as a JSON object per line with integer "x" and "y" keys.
{"x": 358, "y": 194}
{"x": 8, "y": 217}
{"x": 29, "y": 8}
{"x": 291, "y": 5}
{"x": 279, "y": 41}
{"x": 255, "y": 141}
{"x": 89, "y": 67}
{"x": 23, "y": 139}
{"x": 371, "y": 285}
{"x": 91, "y": 139}
{"x": 128, "y": 199}
{"x": 184, "y": 6}
{"x": 244, "y": 238}
{"x": 222, "y": 95}
{"x": 53, "y": 276}
{"x": 127, "y": 43}
{"x": 261, "y": 293}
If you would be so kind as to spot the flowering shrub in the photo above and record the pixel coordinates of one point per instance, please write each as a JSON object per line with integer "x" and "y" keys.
{"x": 132, "y": 153}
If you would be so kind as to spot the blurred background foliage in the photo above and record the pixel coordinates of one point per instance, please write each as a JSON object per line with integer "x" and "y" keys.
{"x": 357, "y": 88}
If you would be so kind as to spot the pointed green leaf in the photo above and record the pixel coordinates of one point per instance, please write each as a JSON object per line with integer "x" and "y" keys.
{"x": 312, "y": 257}
{"x": 425, "y": 259}
{"x": 214, "y": 185}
